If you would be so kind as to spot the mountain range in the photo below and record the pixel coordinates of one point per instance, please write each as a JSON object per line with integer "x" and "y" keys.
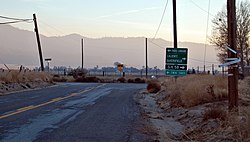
{"x": 19, "y": 47}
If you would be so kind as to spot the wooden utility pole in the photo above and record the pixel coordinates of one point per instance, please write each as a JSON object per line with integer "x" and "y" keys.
{"x": 233, "y": 69}
{"x": 146, "y": 44}
{"x": 175, "y": 28}
{"x": 38, "y": 42}
{"x": 174, "y": 24}
{"x": 82, "y": 52}
{"x": 213, "y": 69}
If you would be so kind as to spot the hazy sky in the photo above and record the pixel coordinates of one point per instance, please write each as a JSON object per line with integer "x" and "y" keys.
{"x": 122, "y": 18}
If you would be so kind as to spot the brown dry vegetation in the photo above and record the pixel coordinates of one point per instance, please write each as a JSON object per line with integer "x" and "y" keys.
{"x": 193, "y": 90}
{"x": 199, "y": 103}
{"x": 14, "y": 80}
{"x": 153, "y": 86}
{"x": 14, "y": 76}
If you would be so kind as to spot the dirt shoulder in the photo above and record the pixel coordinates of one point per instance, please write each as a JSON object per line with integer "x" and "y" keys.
{"x": 161, "y": 127}
{"x": 209, "y": 121}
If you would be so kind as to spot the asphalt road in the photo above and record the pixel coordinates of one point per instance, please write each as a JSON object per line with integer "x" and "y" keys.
{"x": 72, "y": 112}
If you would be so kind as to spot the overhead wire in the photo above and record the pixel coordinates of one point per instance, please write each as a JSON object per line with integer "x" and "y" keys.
{"x": 162, "y": 17}
{"x": 156, "y": 44}
{"x": 15, "y": 20}
{"x": 208, "y": 12}
{"x": 18, "y": 19}
{"x": 205, "y": 52}
{"x": 12, "y": 22}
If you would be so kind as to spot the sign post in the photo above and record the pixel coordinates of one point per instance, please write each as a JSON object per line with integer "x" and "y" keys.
{"x": 48, "y": 60}
{"x": 176, "y": 62}
{"x": 120, "y": 68}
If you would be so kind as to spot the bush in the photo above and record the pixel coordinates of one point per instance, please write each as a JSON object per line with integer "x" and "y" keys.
{"x": 215, "y": 113}
{"x": 59, "y": 79}
{"x": 153, "y": 87}
{"x": 121, "y": 80}
{"x": 139, "y": 80}
{"x": 131, "y": 81}
{"x": 88, "y": 79}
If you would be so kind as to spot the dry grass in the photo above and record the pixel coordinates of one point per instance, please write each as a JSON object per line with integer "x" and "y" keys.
{"x": 193, "y": 90}
{"x": 153, "y": 86}
{"x": 241, "y": 125}
{"x": 244, "y": 88}
{"x": 216, "y": 123}
{"x": 15, "y": 76}
{"x": 215, "y": 113}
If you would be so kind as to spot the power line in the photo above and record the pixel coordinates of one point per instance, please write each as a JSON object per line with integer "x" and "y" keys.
{"x": 10, "y": 18}
{"x": 205, "y": 52}
{"x": 164, "y": 11}
{"x": 202, "y": 60}
{"x": 13, "y": 22}
{"x": 202, "y": 8}
{"x": 16, "y": 20}
{"x": 156, "y": 44}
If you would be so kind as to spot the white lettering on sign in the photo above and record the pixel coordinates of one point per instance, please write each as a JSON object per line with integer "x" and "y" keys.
{"x": 174, "y": 60}
{"x": 182, "y": 51}
{"x": 172, "y": 56}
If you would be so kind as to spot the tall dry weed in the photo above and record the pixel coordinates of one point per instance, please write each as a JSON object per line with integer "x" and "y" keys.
{"x": 14, "y": 76}
{"x": 244, "y": 88}
{"x": 197, "y": 89}
{"x": 241, "y": 125}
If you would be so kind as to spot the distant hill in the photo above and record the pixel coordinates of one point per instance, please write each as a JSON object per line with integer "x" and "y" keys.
{"x": 19, "y": 47}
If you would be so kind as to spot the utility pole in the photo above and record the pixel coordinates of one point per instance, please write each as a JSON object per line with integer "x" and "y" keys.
{"x": 175, "y": 28}
{"x": 146, "y": 57}
{"x": 213, "y": 69}
{"x": 233, "y": 69}
{"x": 174, "y": 24}
{"x": 38, "y": 42}
{"x": 82, "y": 52}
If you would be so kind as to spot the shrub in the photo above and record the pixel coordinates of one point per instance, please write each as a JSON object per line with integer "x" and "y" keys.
{"x": 175, "y": 100}
{"x": 139, "y": 80}
{"x": 59, "y": 79}
{"x": 87, "y": 79}
{"x": 131, "y": 81}
{"x": 153, "y": 87}
{"x": 215, "y": 113}
{"x": 121, "y": 80}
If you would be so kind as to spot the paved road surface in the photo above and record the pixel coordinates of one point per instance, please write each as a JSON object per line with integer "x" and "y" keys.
{"x": 72, "y": 112}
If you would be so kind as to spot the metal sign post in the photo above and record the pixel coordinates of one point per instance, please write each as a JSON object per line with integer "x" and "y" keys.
{"x": 48, "y": 60}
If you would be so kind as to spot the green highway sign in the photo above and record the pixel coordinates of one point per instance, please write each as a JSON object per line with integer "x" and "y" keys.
{"x": 176, "y": 67}
{"x": 176, "y": 55}
{"x": 176, "y": 61}
{"x": 176, "y": 72}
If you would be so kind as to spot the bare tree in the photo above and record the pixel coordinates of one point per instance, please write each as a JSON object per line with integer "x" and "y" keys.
{"x": 219, "y": 35}
{"x": 243, "y": 32}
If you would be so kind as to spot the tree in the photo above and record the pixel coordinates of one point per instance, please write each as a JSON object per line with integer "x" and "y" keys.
{"x": 219, "y": 35}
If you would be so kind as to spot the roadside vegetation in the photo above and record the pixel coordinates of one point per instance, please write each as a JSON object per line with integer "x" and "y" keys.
{"x": 15, "y": 80}
{"x": 15, "y": 76}
{"x": 199, "y": 103}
